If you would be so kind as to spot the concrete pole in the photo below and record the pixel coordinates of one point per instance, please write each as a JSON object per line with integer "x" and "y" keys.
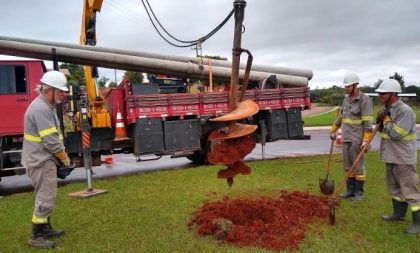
{"x": 218, "y": 63}
{"x": 83, "y": 56}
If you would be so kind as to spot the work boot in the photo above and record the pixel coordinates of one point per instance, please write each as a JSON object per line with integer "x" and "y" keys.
{"x": 39, "y": 241}
{"x": 50, "y": 232}
{"x": 351, "y": 181}
{"x": 358, "y": 192}
{"x": 415, "y": 227}
{"x": 400, "y": 209}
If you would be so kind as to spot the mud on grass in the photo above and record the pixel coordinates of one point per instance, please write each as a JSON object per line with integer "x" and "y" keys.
{"x": 150, "y": 212}
{"x": 271, "y": 223}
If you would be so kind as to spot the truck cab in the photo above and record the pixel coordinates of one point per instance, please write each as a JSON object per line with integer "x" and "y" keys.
{"x": 168, "y": 85}
{"x": 18, "y": 80}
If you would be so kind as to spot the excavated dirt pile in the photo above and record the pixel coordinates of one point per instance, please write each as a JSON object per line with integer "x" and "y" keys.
{"x": 275, "y": 224}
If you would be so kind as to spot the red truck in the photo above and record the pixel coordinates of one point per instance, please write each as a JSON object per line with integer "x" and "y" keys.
{"x": 18, "y": 80}
{"x": 156, "y": 124}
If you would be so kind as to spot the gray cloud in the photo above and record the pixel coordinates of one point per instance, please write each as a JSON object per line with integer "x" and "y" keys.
{"x": 373, "y": 38}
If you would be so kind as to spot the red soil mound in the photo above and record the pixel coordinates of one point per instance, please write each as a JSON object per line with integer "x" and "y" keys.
{"x": 274, "y": 224}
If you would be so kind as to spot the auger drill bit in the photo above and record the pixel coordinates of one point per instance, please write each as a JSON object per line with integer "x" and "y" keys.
{"x": 233, "y": 145}
{"x": 230, "y": 181}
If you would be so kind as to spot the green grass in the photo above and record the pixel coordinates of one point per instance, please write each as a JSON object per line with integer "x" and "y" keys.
{"x": 149, "y": 212}
{"x": 327, "y": 119}
{"x": 417, "y": 110}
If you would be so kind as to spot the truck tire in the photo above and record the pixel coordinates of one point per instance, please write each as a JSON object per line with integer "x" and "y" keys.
{"x": 198, "y": 157}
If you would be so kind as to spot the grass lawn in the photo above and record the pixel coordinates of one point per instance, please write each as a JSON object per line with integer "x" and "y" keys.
{"x": 328, "y": 119}
{"x": 149, "y": 212}
{"x": 325, "y": 119}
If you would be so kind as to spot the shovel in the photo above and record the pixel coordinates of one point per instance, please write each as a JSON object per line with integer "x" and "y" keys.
{"x": 327, "y": 185}
{"x": 335, "y": 199}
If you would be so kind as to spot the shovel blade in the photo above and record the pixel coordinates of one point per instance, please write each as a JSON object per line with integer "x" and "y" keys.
{"x": 244, "y": 110}
{"x": 326, "y": 186}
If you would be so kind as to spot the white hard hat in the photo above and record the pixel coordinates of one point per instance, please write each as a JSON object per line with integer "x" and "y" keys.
{"x": 351, "y": 78}
{"x": 389, "y": 85}
{"x": 55, "y": 79}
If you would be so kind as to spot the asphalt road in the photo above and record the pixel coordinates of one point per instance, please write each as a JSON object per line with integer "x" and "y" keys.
{"x": 125, "y": 164}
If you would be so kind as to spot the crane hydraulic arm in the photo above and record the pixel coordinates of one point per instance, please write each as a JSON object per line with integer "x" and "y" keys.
{"x": 99, "y": 115}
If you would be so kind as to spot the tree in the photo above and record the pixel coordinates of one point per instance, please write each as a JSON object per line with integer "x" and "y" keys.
{"x": 376, "y": 85}
{"x": 331, "y": 96}
{"x": 77, "y": 74}
{"x": 400, "y": 79}
{"x": 134, "y": 77}
{"x": 367, "y": 89}
{"x": 215, "y": 57}
{"x": 413, "y": 89}
{"x": 102, "y": 81}
{"x": 112, "y": 84}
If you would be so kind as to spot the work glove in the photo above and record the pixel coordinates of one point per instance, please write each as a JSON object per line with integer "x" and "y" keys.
{"x": 366, "y": 137}
{"x": 63, "y": 172}
{"x": 381, "y": 115}
{"x": 333, "y": 132}
{"x": 63, "y": 157}
{"x": 333, "y": 135}
{"x": 386, "y": 120}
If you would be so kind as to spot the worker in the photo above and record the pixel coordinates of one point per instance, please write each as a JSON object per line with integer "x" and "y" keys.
{"x": 355, "y": 120}
{"x": 43, "y": 150}
{"x": 399, "y": 152}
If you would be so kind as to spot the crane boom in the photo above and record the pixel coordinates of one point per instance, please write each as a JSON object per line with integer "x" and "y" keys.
{"x": 99, "y": 115}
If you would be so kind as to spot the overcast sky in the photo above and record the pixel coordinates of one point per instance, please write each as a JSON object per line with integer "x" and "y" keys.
{"x": 373, "y": 38}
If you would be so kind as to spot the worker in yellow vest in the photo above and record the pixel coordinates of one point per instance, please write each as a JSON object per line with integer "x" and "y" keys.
{"x": 398, "y": 150}
{"x": 355, "y": 121}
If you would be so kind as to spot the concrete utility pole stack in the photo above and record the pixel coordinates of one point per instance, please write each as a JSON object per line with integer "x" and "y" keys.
{"x": 179, "y": 66}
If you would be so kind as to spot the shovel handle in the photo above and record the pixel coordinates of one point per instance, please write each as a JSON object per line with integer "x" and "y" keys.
{"x": 356, "y": 161}
{"x": 329, "y": 159}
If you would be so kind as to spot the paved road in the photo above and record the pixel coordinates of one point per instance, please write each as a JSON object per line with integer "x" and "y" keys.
{"x": 126, "y": 164}
{"x": 316, "y": 110}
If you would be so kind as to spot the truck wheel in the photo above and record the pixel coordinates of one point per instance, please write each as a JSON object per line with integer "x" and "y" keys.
{"x": 198, "y": 157}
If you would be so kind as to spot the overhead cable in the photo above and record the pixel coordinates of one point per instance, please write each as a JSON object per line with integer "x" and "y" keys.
{"x": 188, "y": 43}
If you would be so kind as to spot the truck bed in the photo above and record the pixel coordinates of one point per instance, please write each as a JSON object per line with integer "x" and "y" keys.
{"x": 209, "y": 104}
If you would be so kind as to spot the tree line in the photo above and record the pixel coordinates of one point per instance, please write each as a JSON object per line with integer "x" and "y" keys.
{"x": 77, "y": 76}
{"x": 335, "y": 95}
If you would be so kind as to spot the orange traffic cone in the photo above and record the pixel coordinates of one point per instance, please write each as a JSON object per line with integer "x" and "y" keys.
{"x": 109, "y": 159}
{"x": 338, "y": 140}
{"x": 120, "y": 133}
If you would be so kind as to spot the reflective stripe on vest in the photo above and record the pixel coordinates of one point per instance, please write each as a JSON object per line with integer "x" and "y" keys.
{"x": 367, "y": 118}
{"x": 400, "y": 130}
{"x": 42, "y": 134}
{"x": 398, "y": 199}
{"x": 47, "y": 131}
{"x": 39, "y": 220}
{"x": 357, "y": 121}
{"x": 415, "y": 208}
{"x": 32, "y": 138}
{"x": 360, "y": 177}
{"x": 409, "y": 137}
{"x": 352, "y": 121}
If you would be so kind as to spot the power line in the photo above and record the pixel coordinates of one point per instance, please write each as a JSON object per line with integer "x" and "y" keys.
{"x": 127, "y": 14}
{"x": 188, "y": 42}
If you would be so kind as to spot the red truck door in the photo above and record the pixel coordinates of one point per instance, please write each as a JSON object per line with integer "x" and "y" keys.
{"x": 14, "y": 96}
